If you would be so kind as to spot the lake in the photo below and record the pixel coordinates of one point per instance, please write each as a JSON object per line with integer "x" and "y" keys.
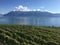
{"x": 36, "y": 21}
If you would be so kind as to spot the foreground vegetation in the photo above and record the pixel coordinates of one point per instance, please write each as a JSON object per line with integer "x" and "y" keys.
{"x": 29, "y": 35}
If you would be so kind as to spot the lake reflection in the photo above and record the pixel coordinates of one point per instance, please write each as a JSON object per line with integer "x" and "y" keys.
{"x": 37, "y": 21}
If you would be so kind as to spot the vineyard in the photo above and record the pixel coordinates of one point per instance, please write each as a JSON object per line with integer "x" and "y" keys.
{"x": 29, "y": 35}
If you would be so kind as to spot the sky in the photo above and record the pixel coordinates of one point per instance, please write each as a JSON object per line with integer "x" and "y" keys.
{"x": 29, "y": 5}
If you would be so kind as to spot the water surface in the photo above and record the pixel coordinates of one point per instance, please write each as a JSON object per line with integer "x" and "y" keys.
{"x": 37, "y": 21}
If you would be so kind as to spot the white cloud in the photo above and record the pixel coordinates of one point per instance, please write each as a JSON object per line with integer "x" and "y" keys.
{"x": 38, "y": 10}
{"x": 34, "y": 10}
{"x": 24, "y": 8}
{"x": 49, "y": 11}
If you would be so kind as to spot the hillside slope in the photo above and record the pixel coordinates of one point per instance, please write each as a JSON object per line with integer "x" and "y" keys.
{"x": 29, "y": 35}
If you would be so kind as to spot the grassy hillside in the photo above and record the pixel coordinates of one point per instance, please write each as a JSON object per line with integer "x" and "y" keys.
{"x": 29, "y": 35}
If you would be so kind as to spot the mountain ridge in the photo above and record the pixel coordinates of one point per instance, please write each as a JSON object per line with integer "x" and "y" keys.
{"x": 32, "y": 14}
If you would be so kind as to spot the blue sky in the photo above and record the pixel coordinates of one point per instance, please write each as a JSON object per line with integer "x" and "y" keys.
{"x": 48, "y": 5}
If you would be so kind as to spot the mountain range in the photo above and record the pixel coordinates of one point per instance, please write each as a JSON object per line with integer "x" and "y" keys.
{"x": 32, "y": 14}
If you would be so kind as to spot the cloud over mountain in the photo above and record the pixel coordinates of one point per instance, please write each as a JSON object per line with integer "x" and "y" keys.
{"x": 22, "y": 8}
{"x": 25, "y": 8}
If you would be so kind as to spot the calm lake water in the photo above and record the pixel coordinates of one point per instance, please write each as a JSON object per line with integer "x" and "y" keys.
{"x": 37, "y": 21}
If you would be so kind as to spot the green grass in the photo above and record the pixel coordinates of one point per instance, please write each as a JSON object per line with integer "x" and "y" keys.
{"x": 29, "y": 35}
